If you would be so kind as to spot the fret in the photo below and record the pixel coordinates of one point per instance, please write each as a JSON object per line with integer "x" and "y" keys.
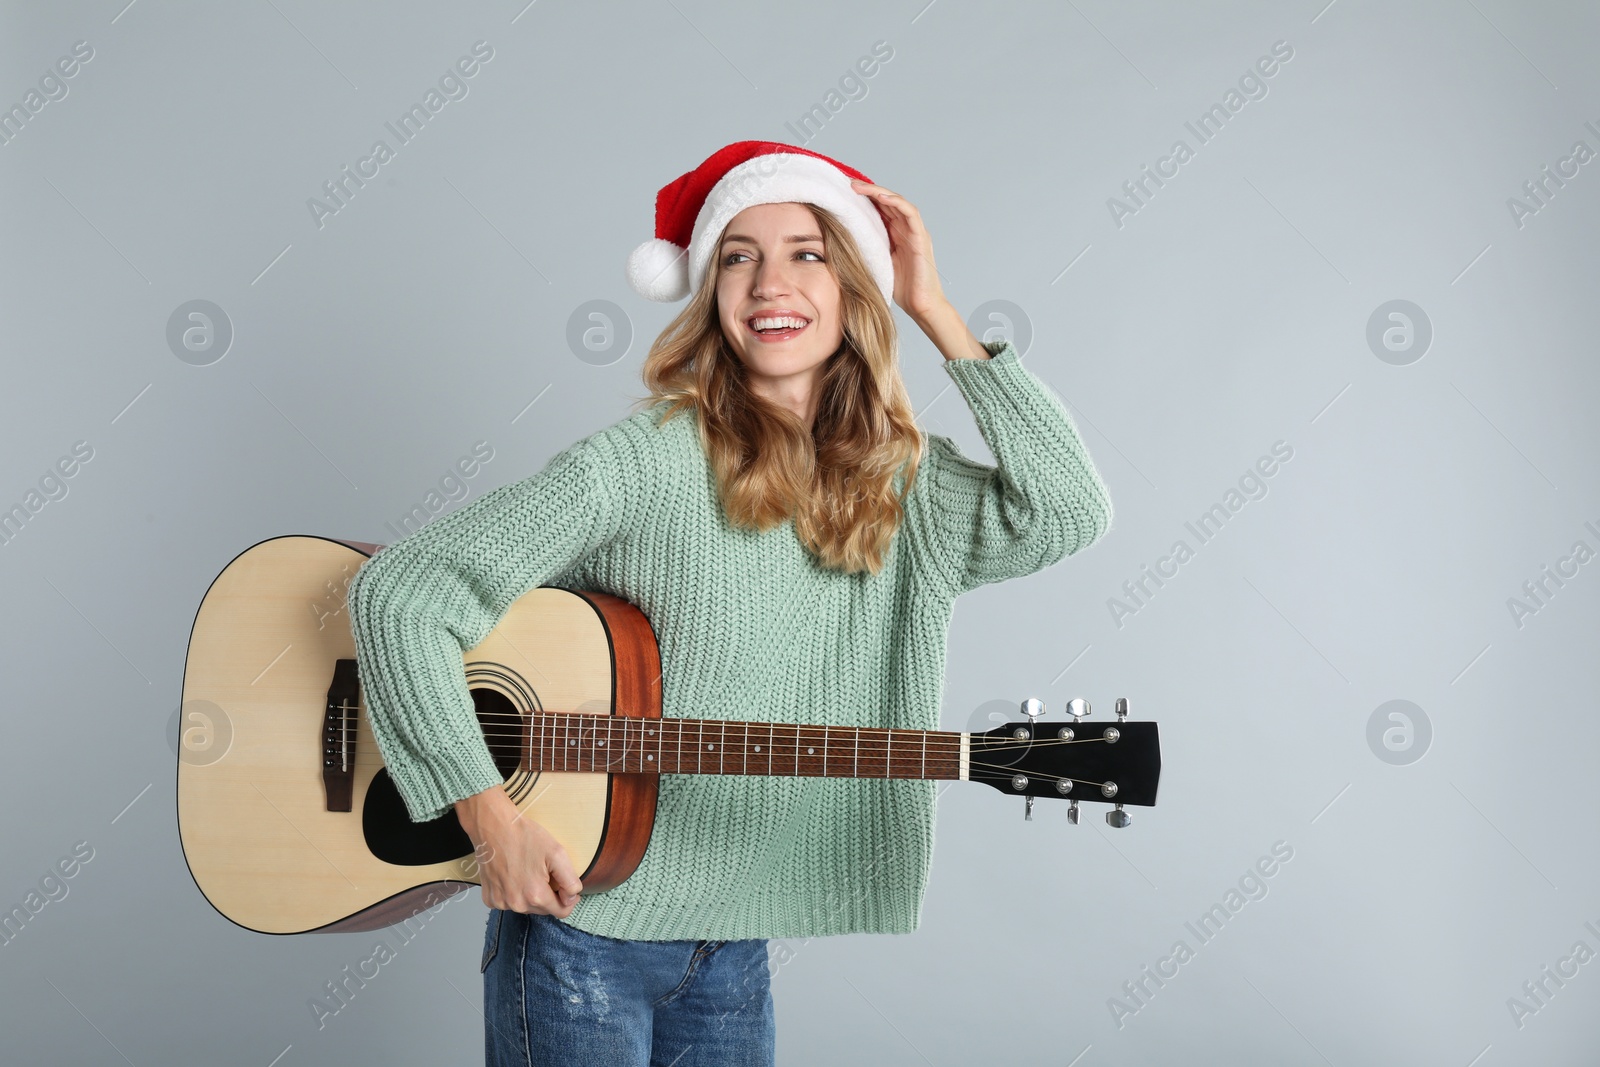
{"x": 646, "y": 748}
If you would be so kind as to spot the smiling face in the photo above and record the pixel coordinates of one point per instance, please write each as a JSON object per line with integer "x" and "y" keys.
{"x": 778, "y": 300}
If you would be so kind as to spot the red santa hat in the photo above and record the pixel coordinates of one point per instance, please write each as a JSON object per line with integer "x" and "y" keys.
{"x": 692, "y": 210}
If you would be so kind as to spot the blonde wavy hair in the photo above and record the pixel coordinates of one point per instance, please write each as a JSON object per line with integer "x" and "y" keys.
{"x": 837, "y": 479}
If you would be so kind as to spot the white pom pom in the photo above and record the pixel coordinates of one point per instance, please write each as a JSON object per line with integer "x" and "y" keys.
{"x": 659, "y": 270}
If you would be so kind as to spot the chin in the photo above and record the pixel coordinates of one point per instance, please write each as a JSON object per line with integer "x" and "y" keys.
{"x": 779, "y": 364}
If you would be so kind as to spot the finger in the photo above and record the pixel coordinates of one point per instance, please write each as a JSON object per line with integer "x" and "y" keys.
{"x": 888, "y": 197}
{"x": 562, "y": 876}
{"x": 869, "y": 187}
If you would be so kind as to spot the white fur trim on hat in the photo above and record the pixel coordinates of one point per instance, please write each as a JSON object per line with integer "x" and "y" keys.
{"x": 659, "y": 270}
{"x": 782, "y": 177}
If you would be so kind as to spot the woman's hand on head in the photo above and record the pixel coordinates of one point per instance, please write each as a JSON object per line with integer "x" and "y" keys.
{"x": 916, "y": 279}
{"x": 522, "y": 866}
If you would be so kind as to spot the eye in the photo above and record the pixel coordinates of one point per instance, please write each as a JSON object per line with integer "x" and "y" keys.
{"x": 728, "y": 260}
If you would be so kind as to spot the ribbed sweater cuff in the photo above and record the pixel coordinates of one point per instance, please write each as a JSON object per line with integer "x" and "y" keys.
{"x": 993, "y": 379}
{"x": 446, "y": 775}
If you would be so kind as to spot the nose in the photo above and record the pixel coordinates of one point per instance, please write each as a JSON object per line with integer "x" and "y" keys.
{"x": 771, "y": 278}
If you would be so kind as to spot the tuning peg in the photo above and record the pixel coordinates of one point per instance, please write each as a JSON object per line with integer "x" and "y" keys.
{"x": 1072, "y": 812}
{"x": 1118, "y": 819}
{"x": 1027, "y": 810}
{"x": 1078, "y": 708}
{"x": 1033, "y": 707}
{"x": 1122, "y": 709}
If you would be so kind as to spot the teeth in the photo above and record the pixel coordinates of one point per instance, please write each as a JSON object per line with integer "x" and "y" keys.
{"x": 778, "y": 323}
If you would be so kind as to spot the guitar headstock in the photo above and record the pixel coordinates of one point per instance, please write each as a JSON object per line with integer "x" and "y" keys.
{"x": 1115, "y": 762}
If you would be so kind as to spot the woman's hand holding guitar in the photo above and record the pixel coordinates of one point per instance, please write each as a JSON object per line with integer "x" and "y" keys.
{"x": 522, "y": 866}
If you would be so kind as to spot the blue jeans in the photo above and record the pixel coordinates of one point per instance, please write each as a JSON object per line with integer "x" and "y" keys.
{"x": 557, "y": 996}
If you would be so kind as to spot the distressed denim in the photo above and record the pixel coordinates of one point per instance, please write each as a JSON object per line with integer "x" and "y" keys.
{"x": 557, "y": 996}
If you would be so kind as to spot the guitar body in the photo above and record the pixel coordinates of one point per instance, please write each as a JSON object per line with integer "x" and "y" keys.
{"x": 257, "y": 733}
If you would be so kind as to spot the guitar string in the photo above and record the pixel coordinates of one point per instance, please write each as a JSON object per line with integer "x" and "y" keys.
{"x": 941, "y": 740}
{"x": 1002, "y": 768}
{"x": 679, "y": 748}
{"x": 991, "y": 744}
{"x": 833, "y": 749}
{"x": 1005, "y": 769}
{"x": 944, "y": 749}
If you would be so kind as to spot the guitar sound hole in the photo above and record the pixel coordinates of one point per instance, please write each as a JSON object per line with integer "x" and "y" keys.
{"x": 502, "y": 728}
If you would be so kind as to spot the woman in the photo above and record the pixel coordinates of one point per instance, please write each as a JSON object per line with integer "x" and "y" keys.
{"x": 797, "y": 544}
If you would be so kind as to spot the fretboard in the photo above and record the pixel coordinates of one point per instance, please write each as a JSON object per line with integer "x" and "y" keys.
{"x": 580, "y": 742}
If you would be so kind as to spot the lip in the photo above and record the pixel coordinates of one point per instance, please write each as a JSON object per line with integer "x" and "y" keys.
{"x": 776, "y": 338}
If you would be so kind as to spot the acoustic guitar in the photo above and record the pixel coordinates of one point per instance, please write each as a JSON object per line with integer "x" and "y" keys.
{"x": 291, "y": 824}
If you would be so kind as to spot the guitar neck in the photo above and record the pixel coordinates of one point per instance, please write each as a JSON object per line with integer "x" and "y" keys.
{"x": 581, "y": 742}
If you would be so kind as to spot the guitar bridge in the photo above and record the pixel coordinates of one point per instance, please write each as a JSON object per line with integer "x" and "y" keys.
{"x": 339, "y": 724}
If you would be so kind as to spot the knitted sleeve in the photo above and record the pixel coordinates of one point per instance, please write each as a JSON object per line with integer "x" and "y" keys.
{"x": 1042, "y": 502}
{"x": 419, "y": 604}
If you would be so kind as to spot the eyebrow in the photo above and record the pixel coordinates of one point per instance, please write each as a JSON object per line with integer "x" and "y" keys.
{"x": 793, "y": 238}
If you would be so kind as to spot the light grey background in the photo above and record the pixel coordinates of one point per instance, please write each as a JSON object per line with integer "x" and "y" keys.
{"x": 1228, "y": 313}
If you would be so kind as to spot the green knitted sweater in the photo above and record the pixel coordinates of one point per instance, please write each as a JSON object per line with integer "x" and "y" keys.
{"x": 749, "y": 627}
